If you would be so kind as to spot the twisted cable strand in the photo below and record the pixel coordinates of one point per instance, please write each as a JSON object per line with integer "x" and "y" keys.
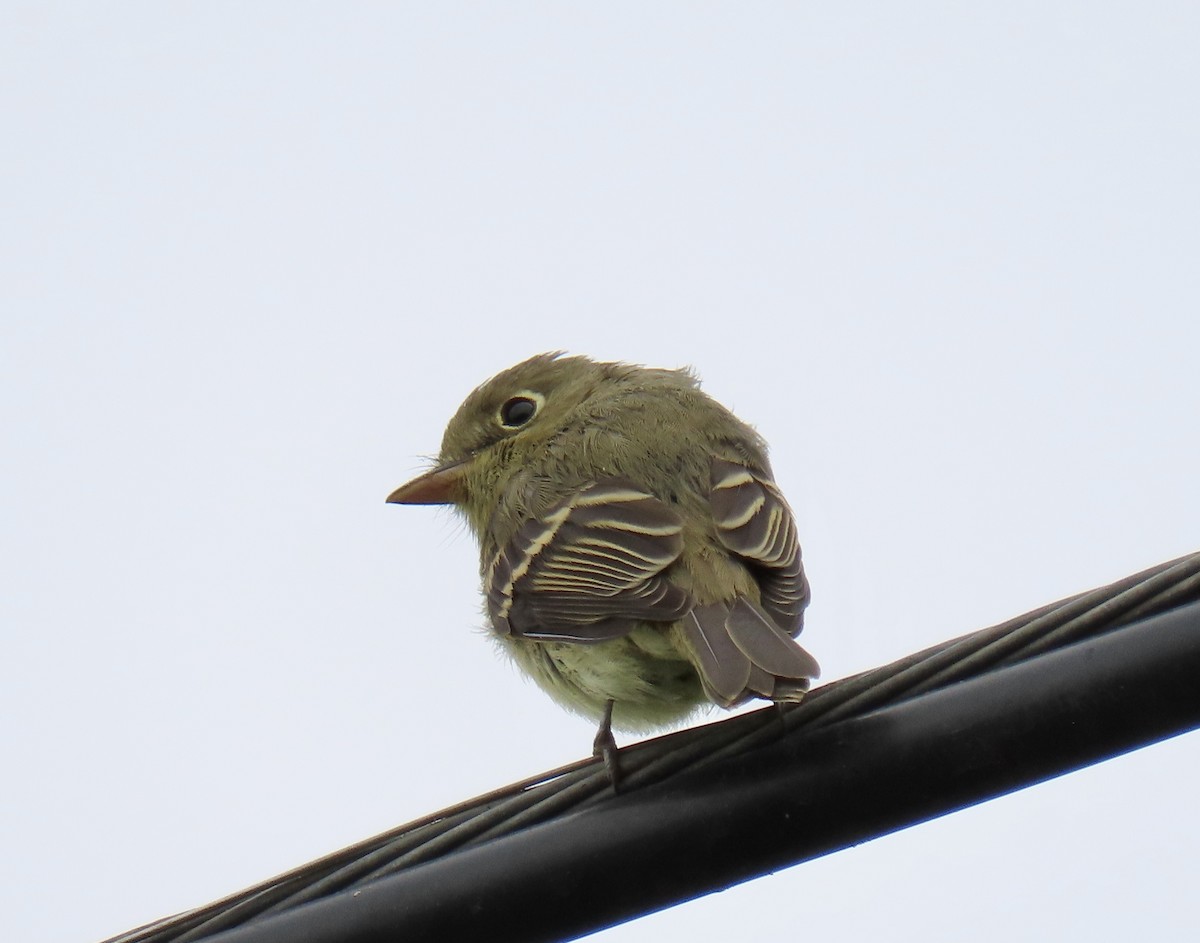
{"x": 585, "y": 783}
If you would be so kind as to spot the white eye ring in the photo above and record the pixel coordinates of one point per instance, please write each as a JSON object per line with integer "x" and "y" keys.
{"x": 518, "y": 409}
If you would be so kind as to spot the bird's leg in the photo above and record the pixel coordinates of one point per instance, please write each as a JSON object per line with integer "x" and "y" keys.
{"x": 779, "y": 716}
{"x": 606, "y": 746}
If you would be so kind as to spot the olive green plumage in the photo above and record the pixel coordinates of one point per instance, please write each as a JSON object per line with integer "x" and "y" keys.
{"x": 633, "y": 545}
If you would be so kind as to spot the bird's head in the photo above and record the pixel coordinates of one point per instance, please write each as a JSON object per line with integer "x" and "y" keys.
{"x": 503, "y": 423}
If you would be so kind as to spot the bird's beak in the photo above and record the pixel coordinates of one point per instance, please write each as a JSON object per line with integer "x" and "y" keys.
{"x": 441, "y": 485}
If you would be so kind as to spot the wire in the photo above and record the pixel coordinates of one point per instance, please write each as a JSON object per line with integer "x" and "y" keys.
{"x": 663, "y": 761}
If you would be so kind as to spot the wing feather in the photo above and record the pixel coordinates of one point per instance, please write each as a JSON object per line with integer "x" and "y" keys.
{"x": 590, "y": 568}
{"x": 754, "y": 521}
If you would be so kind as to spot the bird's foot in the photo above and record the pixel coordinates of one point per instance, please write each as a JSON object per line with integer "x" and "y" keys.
{"x": 780, "y": 713}
{"x": 605, "y": 746}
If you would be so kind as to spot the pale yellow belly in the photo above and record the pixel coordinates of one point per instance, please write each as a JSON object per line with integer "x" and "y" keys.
{"x": 651, "y": 683}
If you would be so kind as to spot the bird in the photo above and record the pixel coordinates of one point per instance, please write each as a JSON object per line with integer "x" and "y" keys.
{"x": 638, "y": 560}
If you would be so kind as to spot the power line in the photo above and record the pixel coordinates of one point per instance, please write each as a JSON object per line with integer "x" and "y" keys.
{"x": 559, "y": 855}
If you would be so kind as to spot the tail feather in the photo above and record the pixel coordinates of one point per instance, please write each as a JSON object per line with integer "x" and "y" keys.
{"x": 740, "y": 653}
{"x": 766, "y": 645}
{"x": 723, "y": 668}
{"x": 761, "y": 683}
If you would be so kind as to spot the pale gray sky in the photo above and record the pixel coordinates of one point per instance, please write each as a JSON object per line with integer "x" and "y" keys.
{"x": 943, "y": 255}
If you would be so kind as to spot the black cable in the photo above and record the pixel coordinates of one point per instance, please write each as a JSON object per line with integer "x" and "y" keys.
{"x": 443, "y": 867}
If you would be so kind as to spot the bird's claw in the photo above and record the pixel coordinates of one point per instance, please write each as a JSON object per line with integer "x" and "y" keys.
{"x": 605, "y": 746}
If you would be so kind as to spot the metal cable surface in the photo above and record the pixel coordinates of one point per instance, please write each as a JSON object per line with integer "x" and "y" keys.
{"x": 585, "y": 783}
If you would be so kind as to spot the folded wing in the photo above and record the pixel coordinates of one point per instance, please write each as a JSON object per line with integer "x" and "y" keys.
{"x": 744, "y": 648}
{"x": 754, "y": 521}
{"x": 590, "y": 569}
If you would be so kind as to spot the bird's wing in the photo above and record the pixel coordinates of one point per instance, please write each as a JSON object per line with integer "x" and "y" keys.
{"x": 754, "y": 521}
{"x": 590, "y": 568}
{"x": 742, "y": 648}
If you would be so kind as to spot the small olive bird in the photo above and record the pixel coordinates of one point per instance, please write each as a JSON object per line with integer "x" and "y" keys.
{"x": 637, "y": 558}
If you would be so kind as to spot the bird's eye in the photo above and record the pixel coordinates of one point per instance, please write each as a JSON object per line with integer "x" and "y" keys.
{"x": 517, "y": 411}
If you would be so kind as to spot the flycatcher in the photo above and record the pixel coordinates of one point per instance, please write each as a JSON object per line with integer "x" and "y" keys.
{"x": 638, "y": 560}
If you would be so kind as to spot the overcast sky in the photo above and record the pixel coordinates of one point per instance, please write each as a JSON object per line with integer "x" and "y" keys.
{"x": 943, "y": 256}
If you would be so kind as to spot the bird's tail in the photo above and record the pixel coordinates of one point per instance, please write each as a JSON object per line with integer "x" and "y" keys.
{"x": 739, "y": 653}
